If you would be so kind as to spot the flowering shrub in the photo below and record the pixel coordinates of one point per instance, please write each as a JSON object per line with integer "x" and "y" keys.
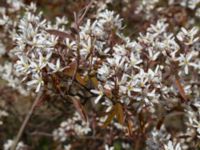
{"x": 112, "y": 89}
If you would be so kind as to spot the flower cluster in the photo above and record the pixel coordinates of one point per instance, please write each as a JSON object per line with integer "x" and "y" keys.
{"x": 8, "y": 145}
{"x": 73, "y": 126}
{"x": 2, "y": 114}
{"x": 146, "y": 87}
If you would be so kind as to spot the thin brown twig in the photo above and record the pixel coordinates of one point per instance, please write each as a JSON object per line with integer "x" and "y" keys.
{"x": 39, "y": 133}
{"x": 28, "y": 116}
{"x": 78, "y": 54}
{"x": 86, "y": 9}
{"x": 77, "y": 24}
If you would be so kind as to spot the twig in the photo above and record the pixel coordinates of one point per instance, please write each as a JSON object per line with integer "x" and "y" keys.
{"x": 21, "y": 130}
{"x": 86, "y": 9}
{"x": 78, "y": 54}
{"x": 78, "y": 21}
{"x": 41, "y": 134}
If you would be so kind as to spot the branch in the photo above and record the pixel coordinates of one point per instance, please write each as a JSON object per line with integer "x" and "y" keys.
{"x": 28, "y": 116}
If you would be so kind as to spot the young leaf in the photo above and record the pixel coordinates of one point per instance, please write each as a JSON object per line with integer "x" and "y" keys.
{"x": 130, "y": 127}
{"x": 119, "y": 113}
{"x": 95, "y": 82}
{"x": 69, "y": 71}
{"x": 81, "y": 80}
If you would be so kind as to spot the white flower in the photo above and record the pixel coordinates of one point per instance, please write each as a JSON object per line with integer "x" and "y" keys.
{"x": 194, "y": 121}
{"x": 185, "y": 61}
{"x": 67, "y": 147}
{"x": 75, "y": 124}
{"x": 100, "y": 94}
{"x": 117, "y": 61}
{"x": 4, "y": 19}
{"x": 167, "y": 44}
{"x": 38, "y": 81}
{"x": 70, "y": 45}
{"x": 120, "y": 50}
{"x": 61, "y": 21}
{"x": 130, "y": 87}
{"x": 15, "y": 4}
{"x": 141, "y": 80}
{"x": 107, "y": 147}
{"x": 56, "y": 67}
{"x": 147, "y": 38}
{"x": 108, "y": 20}
{"x": 159, "y": 28}
{"x": 51, "y": 41}
{"x": 91, "y": 29}
{"x": 86, "y": 46}
{"x": 193, "y": 3}
{"x": 196, "y": 124}
{"x": 197, "y": 14}
{"x": 9, "y": 143}
{"x": 188, "y": 36}
{"x": 153, "y": 55}
{"x": 37, "y": 66}
{"x": 32, "y": 7}
{"x": 2, "y": 114}
{"x": 171, "y": 146}
{"x": 104, "y": 72}
{"x": 135, "y": 60}
{"x": 156, "y": 75}
{"x": 44, "y": 60}
{"x": 23, "y": 65}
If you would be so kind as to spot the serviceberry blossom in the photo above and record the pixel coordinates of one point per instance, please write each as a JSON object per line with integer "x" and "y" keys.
{"x": 188, "y": 37}
{"x": 73, "y": 126}
{"x": 107, "y": 147}
{"x": 67, "y": 147}
{"x": 37, "y": 81}
{"x": 140, "y": 84}
{"x": 99, "y": 92}
{"x": 57, "y": 67}
{"x": 171, "y": 146}
{"x": 2, "y": 115}
{"x": 186, "y": 62}
{"x": 23, "y": 65}
{"x": 8, "y": 145}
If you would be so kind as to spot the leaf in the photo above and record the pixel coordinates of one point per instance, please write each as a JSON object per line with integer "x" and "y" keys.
{"x": 119, "y": 113}
{"x": 108, "y": 93}
{"x": 180, "y": 88}
{"x": 130, "y": 127}
{"x": 95, "y": 82}
{"x": 79, "y": 107}
{"x": 117, "y": 145}
{"x": 69, "y": 71}
{"x": 81, "y": 80}
{"x": 110, "y": 117}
